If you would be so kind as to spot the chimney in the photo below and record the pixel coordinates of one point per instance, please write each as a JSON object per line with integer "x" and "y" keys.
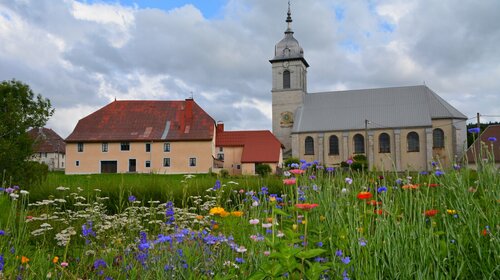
{"x": 188, "y": 111}
{"x": 220, "y": 126}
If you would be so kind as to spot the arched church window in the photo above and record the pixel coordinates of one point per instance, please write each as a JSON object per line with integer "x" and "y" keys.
{"x": 359, "y": 144}
{"x": 309, "y": 145}
{"x": 413, "y": 142}
{"x": 286, "y": 79}
{"x": 384, "y": 143}
{"x": 438, "y": 138}
{"x": 334, "y": 145}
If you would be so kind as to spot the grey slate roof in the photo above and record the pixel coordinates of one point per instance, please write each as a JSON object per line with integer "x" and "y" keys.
{"x": 393, "y": 107}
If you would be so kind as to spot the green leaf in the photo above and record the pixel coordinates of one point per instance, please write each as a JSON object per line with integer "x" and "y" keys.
{"x": 310, "y": 253}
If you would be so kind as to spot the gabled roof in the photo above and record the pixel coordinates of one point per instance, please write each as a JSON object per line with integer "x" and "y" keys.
{"x": 394, "y": 107}
{"x": 145, "y": 121}
{"x": 488, "y": 148}
{"x": 47, "y": 141}
{"x": 258, "y": 145}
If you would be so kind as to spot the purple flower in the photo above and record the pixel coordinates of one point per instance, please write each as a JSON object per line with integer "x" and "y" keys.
{"x": 346, "y": 260}
{"x": 349, "y": 161}
{"x": 9, "y": 190}
{"x": 399, "y": 181}
{"x": 434, "y": 163}
{"x": 2, "y": 232}
{"x": 492, "y": 139}
{"x": 338, "y": 253}
{"x": 439, "y": 173}
{"x": 99, "y": 263}
{"x": 474, "y": 130}
{"x": 362, "y": 242}
{"x": 2, "y": 262}
{"x": 87, "y": 231}
{"x": 330, "y": 169}
{"x": 382, "y": 189}
{"x": 131, "y": 198}
{"x": 239, "y": 260}
{"x": 217, "y": 185}
{"x": 456, "y": 166}
{"x": 423, "y": 173}
{"x": 169, "y": 213}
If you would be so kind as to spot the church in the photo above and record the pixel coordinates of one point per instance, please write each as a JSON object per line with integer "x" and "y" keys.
{"x": 396, "y": 128}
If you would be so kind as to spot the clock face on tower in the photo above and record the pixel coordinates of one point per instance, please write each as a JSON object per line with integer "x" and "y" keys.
{"x": 286, "y": 119}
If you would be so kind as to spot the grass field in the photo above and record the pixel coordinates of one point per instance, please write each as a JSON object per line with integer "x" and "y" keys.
{"x": 312, "y": 224}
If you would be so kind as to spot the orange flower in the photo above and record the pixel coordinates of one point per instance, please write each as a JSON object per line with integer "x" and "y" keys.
{"x": 364, "y": 195}
{"x": 55, "y": 259}
{"x": 378, "y": 211}
{"x": 217, "y": 211}
{"x": 410, "y": 186}
{"x": 373, "y": 202}
{"x": 224, "y": 214}
{"x": 269, "y": 219}
{"x": 199, "y": 217}
{"x": 215, "y": 226}
{"x": 237, "y": 213}
{"x": 306, "y": 206}
{"x": 24, "y": 260}
{"x": 290, "y": 181}
{"x": 431, "y": 213}
{"x": 433, "y": 185}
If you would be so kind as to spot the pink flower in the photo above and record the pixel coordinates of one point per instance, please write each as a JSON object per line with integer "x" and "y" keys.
{"x": 290, "y": 181}
{"x": 297, "y": 171}
{"x": 64, "y": 264}
{"x": 254, "y": 221}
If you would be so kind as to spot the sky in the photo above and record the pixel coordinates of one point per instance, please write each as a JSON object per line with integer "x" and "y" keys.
{"x": 84, "y": 54}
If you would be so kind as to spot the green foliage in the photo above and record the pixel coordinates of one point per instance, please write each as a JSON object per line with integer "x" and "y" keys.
{"x": 287, "y": 162}
{"x": 20, "y": 110}
{"x": 359, "y": 163}
{"x": 263, "y": 169}
{"x": 224, "y": 173}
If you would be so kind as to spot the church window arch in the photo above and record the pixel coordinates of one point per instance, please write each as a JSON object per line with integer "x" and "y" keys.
{"x": 359, "y": 144}
{"x": 438, "y": 138}
{"x": 334, "y": 145}
{"x": 309, "y": 145}
{"x": 286, "y": 79}
{"x": 384, "y": 143}
{"x": 413, "y": 142}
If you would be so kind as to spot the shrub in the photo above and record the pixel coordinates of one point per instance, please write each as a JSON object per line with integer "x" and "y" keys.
{"x": 291, "y": 160}
{"x": 224, "y": 173}
{"x": 262, "y": 169}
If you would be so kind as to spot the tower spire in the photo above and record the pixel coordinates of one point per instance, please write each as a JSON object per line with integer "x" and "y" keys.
{"x": 289, "y": 20}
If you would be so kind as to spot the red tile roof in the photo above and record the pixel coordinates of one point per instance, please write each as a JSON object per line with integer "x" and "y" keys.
{"x": 490, "y": 148}
{"x": 145, "y": 121}
{"x": 47, "y": 141}
{"x": 258, "y": 145}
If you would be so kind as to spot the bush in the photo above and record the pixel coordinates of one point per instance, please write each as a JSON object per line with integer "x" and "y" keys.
{"x": 289, "y": 161}
{"x": 224, "y": 173}
{"x": 263, "y": 169}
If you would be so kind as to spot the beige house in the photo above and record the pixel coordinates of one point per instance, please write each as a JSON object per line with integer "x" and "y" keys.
{"x": 144, "y": 137}
{"x": 396, "y": 128}
{"x": 240, "y": 152}
{"x": 49, "y": 148}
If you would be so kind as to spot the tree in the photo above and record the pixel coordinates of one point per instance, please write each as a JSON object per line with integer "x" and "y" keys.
{"x": 20, "y": 110}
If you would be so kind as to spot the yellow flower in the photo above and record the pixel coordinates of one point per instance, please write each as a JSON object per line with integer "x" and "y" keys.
{"x": 55, "y": 259}
{"x": 294, "y": 226}
{"x": 304, "y": 222}
{"x": 272, "y": 199}
{"x": 224, "y": 214}
{"x": 451, "y": 212}
{"x": 360, "y": 229}
{"x": 237, "y": 213}
{"x": 24, "y": 260}
{"x": 217, "y": 211}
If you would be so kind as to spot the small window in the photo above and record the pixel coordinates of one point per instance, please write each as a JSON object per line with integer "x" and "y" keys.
{"x": 104, "y": 147}
{"x": 359, "y": 144}
{"x": 238, "y": 166}
{"x": 80, "y": 147}
{"x": 438, "y": 138}
{"x": 384, "y": 143}
{"x": 62, "y": 164}
{"x": 220, "y": 156}
{"x": 166, "y": 162}
{"x": 77, "y": 163}
{"x": 334, "y": 145}
{"x": 166, "y": 147}
{"x": 221, "y": 149}
{"x": 125, "y": 146}
{"x": 413, "y": 142}
{"x": 148, "y": 147}
{"x": 192, "y": 161}
{"x": 62, "y": 155}
{"x": 44, "y": 155}
{"x": 309, "y": 145}
{"x": 148, "y": 163}
{"x": 286, "y": 79}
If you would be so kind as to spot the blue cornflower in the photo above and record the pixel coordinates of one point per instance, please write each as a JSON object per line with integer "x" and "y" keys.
{"x": 132, "y": 198}
{"x": 330, "y": 169}
{"x": 239, "y": 260}
{"x": 2, "y": 262}
{"x": 456, "y": 166}
{"x": 439, "y": 173}
{"x": 303, "y": 161}
{"x": 264, "y": 190}
{"x": 423, "y": 173}
{"x": 169, "y": 213}
{"x": 87, "y": 231}
{"x": 338, "y": 253}
{"x": 319, "y": 244}
{"x": 434, "y": 164}
{"x": 382, "y": 189}
{"x": 319, "y": 259}
{"x": 99, "y": 263}
{"x": 312, "y": 177}
{"x": 346, "y": 260}
{"x": 217, "y": 185}
{"x": 168, "y": 267}
{"x": 492, "y": 139}
{"x": 294, "y": 165}
{"x": 345, "y": 276}
{"x": 2, "y": 189}
{"x": 2, "y": 232}
{"x": 399, "y": 181}
{"x": 362, "y": 242}
{"x": 474, "y": 130}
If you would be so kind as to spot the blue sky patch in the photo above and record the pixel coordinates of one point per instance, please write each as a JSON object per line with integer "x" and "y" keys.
{"x": 209, "y": 9}
{"x": 339, "y": 13}
{"x": 387, "y": 26}
{"x": 350, "y": 45}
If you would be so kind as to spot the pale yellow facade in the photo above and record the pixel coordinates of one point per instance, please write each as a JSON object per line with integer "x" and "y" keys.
{"x": 182, "y": 157}
{"x": 398, "y": 158}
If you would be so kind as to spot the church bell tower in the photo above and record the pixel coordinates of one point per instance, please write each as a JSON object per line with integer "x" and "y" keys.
{"x": 289, "y": 70}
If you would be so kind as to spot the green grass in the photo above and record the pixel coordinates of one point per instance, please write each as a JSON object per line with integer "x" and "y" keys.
{"x": 389, "y": 238}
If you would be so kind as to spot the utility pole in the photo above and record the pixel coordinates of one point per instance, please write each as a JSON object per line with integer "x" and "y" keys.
{"x": 478, "y": 123}
{"x": 367, "y": 146}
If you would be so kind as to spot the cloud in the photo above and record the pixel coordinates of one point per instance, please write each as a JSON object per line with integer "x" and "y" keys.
{"x": 82, "y": 56}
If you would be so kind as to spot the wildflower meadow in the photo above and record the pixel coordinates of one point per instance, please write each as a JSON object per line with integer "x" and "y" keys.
{"x": 318, "y": 223}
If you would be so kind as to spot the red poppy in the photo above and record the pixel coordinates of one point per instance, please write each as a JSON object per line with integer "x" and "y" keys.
{"x": 296, "y": 171}
{"x": 290, "y": 181}
{"x": 378, "y": 211}
{"x": 306, "y": 206}
{"x": 431, "y": 213}
{"x": 373, "y": 202}
{"x": 365, "y": 195}
{"x": 433, "y": 185}
{"x": 484, "y": 232}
